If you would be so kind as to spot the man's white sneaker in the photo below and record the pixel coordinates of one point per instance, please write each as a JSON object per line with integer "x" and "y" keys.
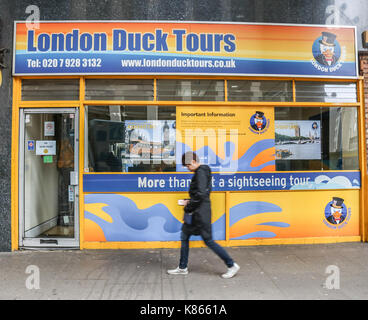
{"x": 178, "y": 271}
{"x": 231, "y": 271}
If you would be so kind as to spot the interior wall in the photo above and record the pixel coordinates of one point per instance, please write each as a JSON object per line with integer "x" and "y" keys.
{"x": 41, "y": 179}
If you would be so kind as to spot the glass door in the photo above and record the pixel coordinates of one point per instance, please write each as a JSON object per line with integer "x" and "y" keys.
{"x": 48, "y": 201}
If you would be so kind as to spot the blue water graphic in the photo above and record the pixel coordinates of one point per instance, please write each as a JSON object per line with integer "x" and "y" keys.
{"x": 130, "y": 223}
{"x": 251, "y": 208}
{"x": 217, "y": 164}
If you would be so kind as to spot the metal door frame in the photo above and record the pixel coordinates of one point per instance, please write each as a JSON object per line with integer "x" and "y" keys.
{"x": 40, "y": 242}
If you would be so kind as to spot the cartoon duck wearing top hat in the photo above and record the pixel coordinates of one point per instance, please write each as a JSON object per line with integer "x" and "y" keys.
{"x": 259, "y": 121}
{"x": 336, "y": 216}
{"x": 327, "y": 47}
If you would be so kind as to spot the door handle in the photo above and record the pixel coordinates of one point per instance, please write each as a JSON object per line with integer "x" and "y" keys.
{"x": 48, "y": 241}
{"x": 73, "y": 178}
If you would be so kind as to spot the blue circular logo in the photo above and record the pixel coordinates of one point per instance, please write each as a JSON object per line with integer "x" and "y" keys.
{"x": 326, "y": 50}
{"x": 258, "y": 121}
{"x": 336, "y": 212}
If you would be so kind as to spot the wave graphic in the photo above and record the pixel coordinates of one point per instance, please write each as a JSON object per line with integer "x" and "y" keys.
{"x": 324, "y": 182}
{"x": 257, "y": 234}
{"x": 250, "y": 208}
{"x": 242, "y": 220}
{"x": 127, "y": 222}
{"x": 217, "y": 164}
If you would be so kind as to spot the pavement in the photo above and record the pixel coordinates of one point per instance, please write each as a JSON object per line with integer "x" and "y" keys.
{"x": 277, "y": 272}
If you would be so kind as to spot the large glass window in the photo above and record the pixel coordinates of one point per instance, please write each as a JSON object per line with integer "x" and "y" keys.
{"x": 119, "y": 89}
{"x": 316, "y": 91}
{"x": 257, "y": 90}
{"x": 144, "y": 138}
{"x": 308, "y": 138}
{"x": 131, "y": 138}
{"x": 50, "y": 89}
{"x": 190, "y": 90}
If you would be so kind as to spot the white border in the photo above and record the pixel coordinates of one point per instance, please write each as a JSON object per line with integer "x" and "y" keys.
{"x": 191, "y": 74}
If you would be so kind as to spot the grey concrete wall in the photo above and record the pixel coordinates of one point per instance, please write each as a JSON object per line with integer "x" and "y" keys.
{"x": 341, "y": 12}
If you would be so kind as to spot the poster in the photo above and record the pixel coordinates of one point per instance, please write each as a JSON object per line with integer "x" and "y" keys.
{"x": 232, "y": 139}
{"x": 49, "y": 128}
{"x": 149, "y": 142}
{"x": 298, "y": 139}
{"x": 46, "y": 147}
{"x": 30, "y": 145}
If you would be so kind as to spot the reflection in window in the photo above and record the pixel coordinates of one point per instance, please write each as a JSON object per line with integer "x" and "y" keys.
{"x": 315, "y": 91}
{"x": 190, "y": 90}
{"x": 342, "y": 149}
{"x": 50, "y": 89}
{"x": 259, "y": 90}
{"x": 131, "y": 138}
{"x": 316, "y": 139}
{"x": 119, "y": 89}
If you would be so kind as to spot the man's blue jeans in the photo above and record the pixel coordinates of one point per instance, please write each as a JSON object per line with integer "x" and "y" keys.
{"x": 216, "y": 248}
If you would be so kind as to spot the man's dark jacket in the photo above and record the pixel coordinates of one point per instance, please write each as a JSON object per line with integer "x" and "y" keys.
{"x": 199, "y": 204}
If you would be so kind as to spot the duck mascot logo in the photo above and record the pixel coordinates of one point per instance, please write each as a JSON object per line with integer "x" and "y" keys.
{"x": 258, "y": 123}
{"x": 327, "y": 53}
{"x": 336, "y": 213}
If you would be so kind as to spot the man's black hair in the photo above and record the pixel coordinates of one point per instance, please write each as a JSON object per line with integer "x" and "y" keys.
{"x": 187, "y": 158}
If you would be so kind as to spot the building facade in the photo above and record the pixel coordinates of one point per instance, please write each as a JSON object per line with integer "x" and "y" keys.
{"x": 90, "y": 158}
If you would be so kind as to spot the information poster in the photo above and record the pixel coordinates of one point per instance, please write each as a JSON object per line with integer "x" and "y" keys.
{"x": 298, "y": 139}
{"x": 227, "y": 139}
{"x": 49, "y": 128}
{"x": 45, "y": 148}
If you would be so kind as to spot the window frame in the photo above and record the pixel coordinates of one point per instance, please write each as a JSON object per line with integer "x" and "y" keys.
{"x": 82, "y": 103}
{"x": 151, "y": 160}
{"x": 326, "y": 159}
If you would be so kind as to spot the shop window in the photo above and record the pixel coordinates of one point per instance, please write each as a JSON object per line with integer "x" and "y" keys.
{"x": 131, "y": 138}
{"x": 119, "y": 89}
{"x": 315, "y": 91}
{"x": 316, "y": 138}
{"x": 252, "y": 90}
{"x": 190, "y": 90}
{"x": 50, "y": 89}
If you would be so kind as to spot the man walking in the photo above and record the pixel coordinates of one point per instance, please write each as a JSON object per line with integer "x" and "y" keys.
{"x": 200, "y": 207}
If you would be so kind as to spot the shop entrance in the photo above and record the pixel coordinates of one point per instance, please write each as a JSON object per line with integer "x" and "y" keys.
{"x": 48, "y": 178}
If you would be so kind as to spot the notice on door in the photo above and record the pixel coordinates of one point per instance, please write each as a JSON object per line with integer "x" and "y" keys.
{"x": 46, "y": 148}
{"x": 49, "y": 128}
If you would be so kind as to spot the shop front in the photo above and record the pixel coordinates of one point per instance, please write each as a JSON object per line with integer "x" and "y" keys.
{"x": 103, "y": 111}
